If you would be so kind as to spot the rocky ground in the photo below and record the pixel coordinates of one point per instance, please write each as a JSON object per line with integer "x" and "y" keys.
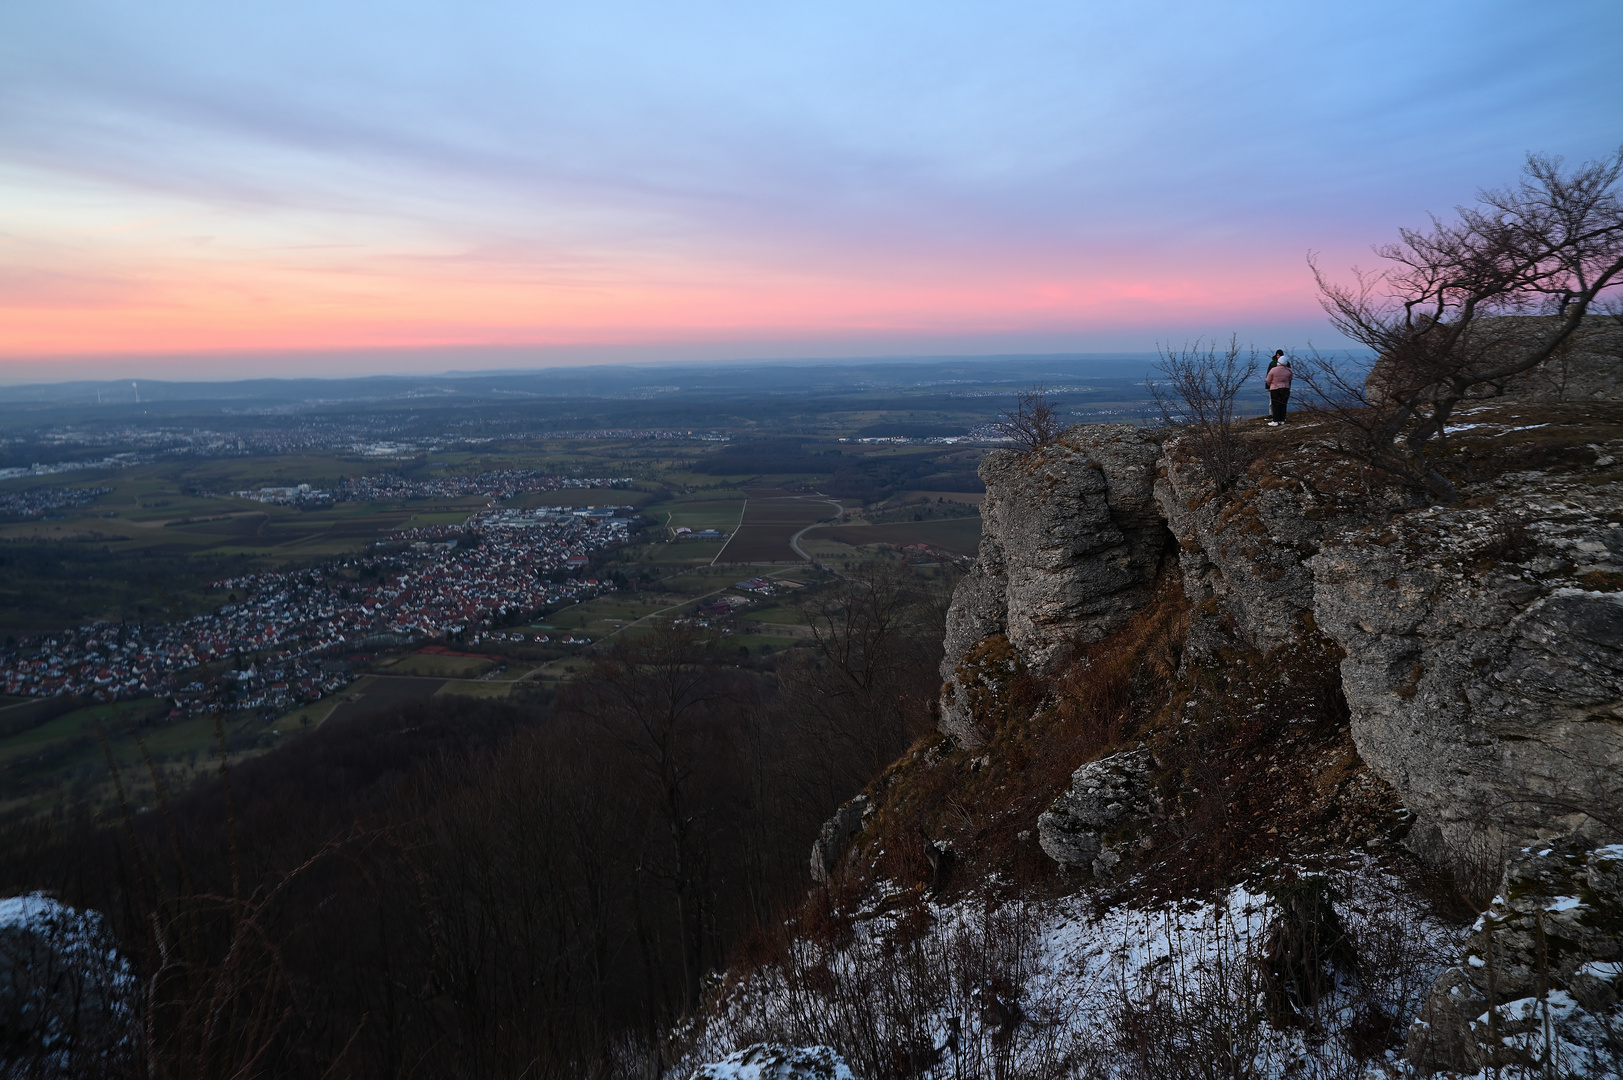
{"x": 1172, "y": 709}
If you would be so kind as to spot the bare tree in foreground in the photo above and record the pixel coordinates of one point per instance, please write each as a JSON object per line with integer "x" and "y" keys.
{"x": 666, "y": 706}
{"x": 866, "y": 686}
{"x": 1469, "y": 304}
{"x": 1195, "y": 389}
{"x": 1035, "y": 421}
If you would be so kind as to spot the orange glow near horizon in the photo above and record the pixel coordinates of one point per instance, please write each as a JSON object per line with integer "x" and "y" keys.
{"x": 92, "y": 273}
{"x": 180, "y": 306}
{"x": 235, "y": 189}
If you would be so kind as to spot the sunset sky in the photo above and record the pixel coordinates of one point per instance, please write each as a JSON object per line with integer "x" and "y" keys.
{"x": 238, "y": 188}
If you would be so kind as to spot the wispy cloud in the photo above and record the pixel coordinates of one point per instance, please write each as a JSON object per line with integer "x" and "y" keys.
{"x": 428, "y": 172}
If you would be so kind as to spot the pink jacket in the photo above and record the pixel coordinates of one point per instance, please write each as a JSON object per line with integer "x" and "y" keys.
{"x": 1279, "y": 378}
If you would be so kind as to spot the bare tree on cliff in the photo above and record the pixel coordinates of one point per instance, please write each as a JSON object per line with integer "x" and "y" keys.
{"x": 1468, "y": 305}
{"x": 1194, "y": 389}
{"x": 1035, "y": 421}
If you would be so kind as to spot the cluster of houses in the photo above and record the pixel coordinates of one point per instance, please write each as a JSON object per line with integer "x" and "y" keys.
{"x": 980, "y": 436}
{"x": 114, "y": 661}
{"x": 921, "y": 551}
{"x": 646, "y": 433}
{"x": 40, "y": 501}
{"x": 723, "y": 606}
{"x": 539, "y": 639}
{"x": 278, "y": 683}
{"x": 496, "y": 484}
{"x": 519, "y": 565}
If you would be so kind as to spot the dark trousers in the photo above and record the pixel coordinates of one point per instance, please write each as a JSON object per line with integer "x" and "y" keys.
{"x": 1276, "y": 403}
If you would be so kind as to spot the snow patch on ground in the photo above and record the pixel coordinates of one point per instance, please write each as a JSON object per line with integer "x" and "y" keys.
{"x": 1554, "y": 1036}
{"x": 1052, "y": 988}
{"x": 765, "y": 1061}
{"x": 65, "y": 991}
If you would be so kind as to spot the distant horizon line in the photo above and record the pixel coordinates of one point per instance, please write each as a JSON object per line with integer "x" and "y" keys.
{"x": 604, "y": 366}
{"x": 665, "y": 365}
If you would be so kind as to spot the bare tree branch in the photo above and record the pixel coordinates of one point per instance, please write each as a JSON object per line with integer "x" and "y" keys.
{"x": 1469, "y": 304}
{"x": 1034, "y": 422}
{"x": 1195, "y": 389}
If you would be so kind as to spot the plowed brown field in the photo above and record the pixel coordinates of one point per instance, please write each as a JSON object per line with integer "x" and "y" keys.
{"x": 771, "y": 519}
{"x": 961, "y": 536}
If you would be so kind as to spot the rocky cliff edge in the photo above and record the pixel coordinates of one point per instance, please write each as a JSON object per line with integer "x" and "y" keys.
{"x": 1482, "y": 642}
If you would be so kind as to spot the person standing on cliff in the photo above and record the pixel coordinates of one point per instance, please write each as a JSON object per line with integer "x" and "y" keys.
{"x": 1278, "y": 382}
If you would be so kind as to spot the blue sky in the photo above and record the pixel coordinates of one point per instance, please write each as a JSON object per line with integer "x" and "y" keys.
{"x": 188, "y": 184}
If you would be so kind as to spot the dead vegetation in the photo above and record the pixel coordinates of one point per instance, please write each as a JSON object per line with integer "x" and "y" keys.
{"x": 1487, "y": 442}
{"x": 1258, "y": 783}
{"x": 1466, "y": 306}
{"x": 1259, "y": 766}
{"x": 1255, "y": 760}
{"x": 1196, "y": 392}
{"x": 979, "y": 804}
{"x": 1255, "y": 764}
{"x": 1033, "y": 423}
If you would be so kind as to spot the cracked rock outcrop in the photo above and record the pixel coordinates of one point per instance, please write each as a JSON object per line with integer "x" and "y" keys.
{"x": 1071, "y": 544}
{"x": 1549, "y": 948}
{"x": 1103, "y": 795}
{"x": 836, "y": 833}
{"x": 1488, "y": 692}
{"x": 1482, "y": 642}
{"x": 1246, "y": 550}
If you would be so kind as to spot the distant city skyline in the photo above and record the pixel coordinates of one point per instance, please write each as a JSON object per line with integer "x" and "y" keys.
{"x": 192, "y": 190}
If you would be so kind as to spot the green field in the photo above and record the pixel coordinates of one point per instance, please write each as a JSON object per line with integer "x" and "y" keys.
{"x": 444, "y": 667}
{"x": 697, "y": 513}
{"x": 778, "y": 615}
{"x": 66, "y": 759}
{"x": 961, "y": 536}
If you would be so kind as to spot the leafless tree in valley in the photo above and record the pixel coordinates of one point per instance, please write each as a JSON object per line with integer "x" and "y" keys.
{"x": 1467, "y": 305}
{"x": 861, "y": 695}
{"x": 665, "y": 705}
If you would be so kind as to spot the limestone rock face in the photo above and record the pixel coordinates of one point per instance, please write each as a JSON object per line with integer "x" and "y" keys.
{"x": 1553, "y": 935}
{"x": 1247, "y": 549}
{"x": 1071, "y": 542}
{"x": 1592, "y": 371}
{"x": 836, "y": 833}
{"x": 1103, "y": 794}
{"x": 980, "y": 695}
{"x": 1483, "y": 647}
{"x": 980, "y": 603}
{"x": 1440, "y": 1037}
{"x": 1488, "y": 693}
